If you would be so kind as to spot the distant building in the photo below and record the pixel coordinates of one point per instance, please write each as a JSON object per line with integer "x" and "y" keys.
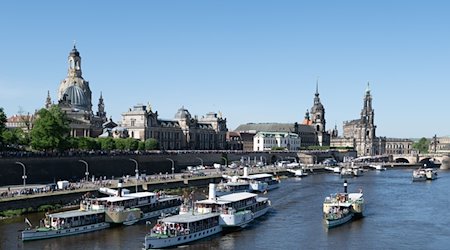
{"x": 75, "y": 99}
{"x": 184, "y": 132}
{"x": 317, "y": 120}
{"x": 23, "y": 122}
{"x": 360, "y": 134}
{"x": 311, "y": 130}
{"x": 398, "y": 146}
{"x": 266, "y": 141}
{"x": 439, "y": 145}
{"x": 234, "y": 141}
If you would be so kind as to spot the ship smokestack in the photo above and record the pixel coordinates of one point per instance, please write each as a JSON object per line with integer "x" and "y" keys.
{"x": 119, "y": 188}
{"x": 212, "y": 192}
{"x": 245, "y": 171}
{"x": 345, "y": 186}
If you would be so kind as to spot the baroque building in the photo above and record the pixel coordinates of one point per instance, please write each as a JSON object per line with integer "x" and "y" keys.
{"x": 183, "y": 132}
{"x": 265, "y": 141}
{"x": 317, "y": 120}
{"x": 311, "y": 131}
{"x": 361, "y": 133}
{"x": 75, "y": 99}
{"x": 399, "y": 146}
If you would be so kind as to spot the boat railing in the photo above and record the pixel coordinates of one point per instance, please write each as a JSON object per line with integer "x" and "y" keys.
{"x": 116, "y": 208}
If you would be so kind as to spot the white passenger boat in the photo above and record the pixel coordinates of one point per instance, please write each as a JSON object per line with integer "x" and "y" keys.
{"x": 233, "y": 186}
{"x": 207, "y": 218}
{"x": 431, "y": 173}
{"x": 298, "y": 172}
{"x": 419, "y": 175}
{"x": 378, "y": 167}
{"x": 100, "y": 213}
{"x": 261, "y": 182}
{"x": 67, "y": 223}
{"x": 342, "y": 207}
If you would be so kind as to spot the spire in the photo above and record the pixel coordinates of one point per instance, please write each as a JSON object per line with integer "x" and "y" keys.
{"x": 101, "y": 107}
{"x": 317, "y": 87}
{"x": 368, "y": 88}
{"x": 48, "y": 101}
{"x": 307, "y": 114}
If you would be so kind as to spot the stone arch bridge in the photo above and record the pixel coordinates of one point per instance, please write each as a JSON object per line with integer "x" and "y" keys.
{"x": 420, "y": 158}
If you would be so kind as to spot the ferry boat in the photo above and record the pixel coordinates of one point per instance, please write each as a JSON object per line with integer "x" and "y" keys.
{"x": 298, "y": 172}
{"x": 261, "y": 182}
{"x": 419, "y": 175}
{"x": 100, "y": 213}
{"x": 208, "y": 217}
{"x": 423, "y": 174}
{"x": 342, "y": 207}
{"x": 233, "y": 186}
{"x": 431, "y": 173}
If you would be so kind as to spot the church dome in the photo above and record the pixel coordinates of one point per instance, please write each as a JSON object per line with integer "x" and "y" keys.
{"x": 182, "y": 114}
{"x": 77, "y": 97}
{"x": 317, "y": 107}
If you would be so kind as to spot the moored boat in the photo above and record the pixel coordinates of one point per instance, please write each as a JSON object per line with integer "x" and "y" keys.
{"x": 208, "y": 217}
{"x": 100, "y": 213}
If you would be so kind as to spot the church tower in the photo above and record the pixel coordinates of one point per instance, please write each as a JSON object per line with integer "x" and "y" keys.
{"x": 367, "y": 128}
{"x": 318, "y": 112}
{"x": 48, "y": 101}
{"x": 318, "y": 119}
{"x": 101, "y": 108}
{"x": 74, "y": 90}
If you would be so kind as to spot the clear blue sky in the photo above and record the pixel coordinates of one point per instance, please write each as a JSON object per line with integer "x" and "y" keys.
{"x": 255, "y": 61}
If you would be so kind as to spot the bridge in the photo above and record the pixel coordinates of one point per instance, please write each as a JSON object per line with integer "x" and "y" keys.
{"x": 421, "y": 158}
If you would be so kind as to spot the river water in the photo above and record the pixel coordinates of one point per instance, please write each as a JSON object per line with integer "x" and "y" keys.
{"x": 399, "y": 214}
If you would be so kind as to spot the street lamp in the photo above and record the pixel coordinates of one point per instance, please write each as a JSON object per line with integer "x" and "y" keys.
{"x": 87, "y": 169}
{"x": 173, "y": 166}
{"x": 201, "y": 160}
{"x": 136, "y": 170}
{"x": 226, "y": 161}
{"x": 24, "y": 176}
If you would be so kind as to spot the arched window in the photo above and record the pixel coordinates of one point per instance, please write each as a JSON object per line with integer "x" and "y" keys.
{"x": 71, "y": 64}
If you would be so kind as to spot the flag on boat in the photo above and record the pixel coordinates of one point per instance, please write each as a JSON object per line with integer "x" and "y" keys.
{"x": 28, "y": 222}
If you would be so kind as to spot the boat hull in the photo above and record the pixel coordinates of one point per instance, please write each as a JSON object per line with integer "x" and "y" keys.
{"x": 37, "y": 234}
{"x": 163, "y": 242}
{"x": 330, "y": 223}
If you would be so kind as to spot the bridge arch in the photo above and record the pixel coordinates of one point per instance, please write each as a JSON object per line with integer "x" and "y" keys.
{"x": 402, "y": 160}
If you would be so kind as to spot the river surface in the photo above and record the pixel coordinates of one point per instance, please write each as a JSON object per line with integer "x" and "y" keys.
{"x": 399, "y": 214}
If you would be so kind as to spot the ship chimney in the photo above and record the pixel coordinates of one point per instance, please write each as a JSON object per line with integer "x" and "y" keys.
{"x": 212, "y": 192}
{"x": 119, "y": 188}
{"x": 345, "y": 186}
{"x": 245, "y": 171}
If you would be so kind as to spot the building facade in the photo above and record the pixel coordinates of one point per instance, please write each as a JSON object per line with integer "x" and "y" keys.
{"x": 311, "y": 130}
{"x": 183, "y": 132}
{"x": 399, "y": 146}
{"x": 439, "y": 145}
{"x": 361, "y": 133}
{"x": 266, "y": 141}
{"x": 75, "y": 99}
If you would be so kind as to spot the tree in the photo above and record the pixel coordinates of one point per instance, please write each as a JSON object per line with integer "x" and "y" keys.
{"x": 151, "y": 144}
{"x": 50, "y": 130}
{"x": 422, "y": 145}
{"x": 3, "y": 121}
{"x": 131, "y": 144}
{"x": 107, "y": 143}
{"x": 120, "y": 143}
{"x": 141, "y": 145}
